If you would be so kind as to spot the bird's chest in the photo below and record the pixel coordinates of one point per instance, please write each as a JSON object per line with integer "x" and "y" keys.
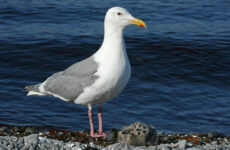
{"x": 114, "y": 74}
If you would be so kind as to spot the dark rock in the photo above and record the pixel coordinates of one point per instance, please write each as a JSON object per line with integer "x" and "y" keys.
{"x": 112, "y": 136}
{"x": 59, "y": 133}
{"x": 215, "y": 134}
{"x": 29, "y": 130}
{"x": 3, "y": 129}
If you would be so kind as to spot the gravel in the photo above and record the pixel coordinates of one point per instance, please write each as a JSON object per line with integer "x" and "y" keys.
{"x": 36, "y": 142}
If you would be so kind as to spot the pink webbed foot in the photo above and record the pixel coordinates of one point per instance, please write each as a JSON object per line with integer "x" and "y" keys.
{"x": 102, "y": 134}
{"x": 99, "y": 134}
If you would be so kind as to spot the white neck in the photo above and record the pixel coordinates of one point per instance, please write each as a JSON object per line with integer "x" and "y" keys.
{"x": 112, "y": 31}
{"x": 113, "y": 43}
{"x": 113, "y": 34}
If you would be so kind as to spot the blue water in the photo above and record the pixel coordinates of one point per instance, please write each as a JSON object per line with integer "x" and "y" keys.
{"x": 180, "y": 64}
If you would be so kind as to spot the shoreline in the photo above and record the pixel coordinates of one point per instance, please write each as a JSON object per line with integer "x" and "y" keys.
{"x": 20, "y": 137}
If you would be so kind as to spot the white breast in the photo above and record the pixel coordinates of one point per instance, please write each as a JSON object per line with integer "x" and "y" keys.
{"x": 114, "y": 72}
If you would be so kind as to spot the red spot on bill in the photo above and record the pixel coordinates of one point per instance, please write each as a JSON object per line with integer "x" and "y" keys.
{"x": 141, "y": 25}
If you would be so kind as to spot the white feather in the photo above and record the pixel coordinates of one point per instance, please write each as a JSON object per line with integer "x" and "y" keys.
{"x": 34, "y": 93}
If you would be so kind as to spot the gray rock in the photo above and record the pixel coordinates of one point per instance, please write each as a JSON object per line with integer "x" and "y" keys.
{"x": 42, "y": 146}
{"x": 126, "y": 147}
{"x": 6, "y": 143}
{"x": 75, "y": 146}
{"x": 116, "y": 146}
{"x": 2, "y": 147}
{"x": 182, "y": 144}
{"x": 20, "y": 143}
{"x": 26, "y": 147}
{"x": 214, "y": 143}
{"x": 195, "y": 148}
{"x": 31, "y": 139}
{"x": 48, "y": 145}
{"x": 32, "y": 147}
{"x": 140, "y": 148}
{"x": 138, "y": 134}
{"x": 92, "y": 145}
{"x": 11, "y": 146}
{"x": 152, "y": 147}
{"x": 163, "y": 147}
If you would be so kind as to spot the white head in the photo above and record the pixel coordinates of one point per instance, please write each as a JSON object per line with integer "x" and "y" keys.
{"x": 120, "y": 18}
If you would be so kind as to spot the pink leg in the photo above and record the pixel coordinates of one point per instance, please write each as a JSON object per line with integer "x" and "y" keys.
{"x": 91, "y": 121}
{"x": 92, "y": 134}
{"x": 100, "y": 132}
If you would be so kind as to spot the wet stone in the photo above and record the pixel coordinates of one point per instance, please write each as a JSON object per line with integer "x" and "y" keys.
{"x": 29, "y": 130}
{"x": 215, "y": 135}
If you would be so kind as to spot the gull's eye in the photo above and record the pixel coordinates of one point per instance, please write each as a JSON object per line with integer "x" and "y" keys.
{"x": 118, "y": 13}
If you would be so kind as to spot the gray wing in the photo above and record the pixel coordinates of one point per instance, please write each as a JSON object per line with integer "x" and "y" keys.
{"x": 71, "y": 82}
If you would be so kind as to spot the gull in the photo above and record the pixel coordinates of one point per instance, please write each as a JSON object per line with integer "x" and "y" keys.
{"x": 98, "y": 78}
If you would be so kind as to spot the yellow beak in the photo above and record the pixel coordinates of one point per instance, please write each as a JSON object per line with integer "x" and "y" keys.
{"x": 138, "y": 22}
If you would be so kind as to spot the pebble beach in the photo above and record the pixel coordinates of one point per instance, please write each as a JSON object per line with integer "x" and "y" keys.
{"x": 44, "y": 138}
